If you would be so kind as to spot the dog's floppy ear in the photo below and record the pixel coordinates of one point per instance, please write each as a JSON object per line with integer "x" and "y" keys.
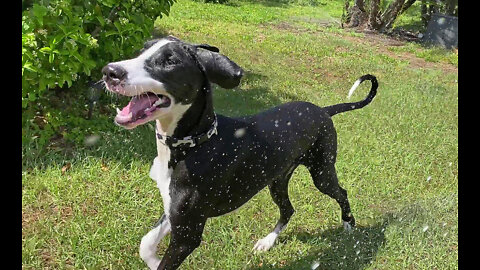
{"x": 219, "y": 68}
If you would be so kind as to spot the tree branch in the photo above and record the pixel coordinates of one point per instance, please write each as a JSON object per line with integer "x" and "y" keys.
{"x": 391, "y": 13}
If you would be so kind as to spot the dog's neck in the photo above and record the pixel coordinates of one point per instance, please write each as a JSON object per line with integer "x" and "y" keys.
{"x": 198, "y": 118}
{"x": 188, "y": 120}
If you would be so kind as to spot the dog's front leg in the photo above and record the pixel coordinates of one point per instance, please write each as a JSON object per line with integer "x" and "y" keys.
{"x": 185, "y": 238}
{"x": 148, "y": 246}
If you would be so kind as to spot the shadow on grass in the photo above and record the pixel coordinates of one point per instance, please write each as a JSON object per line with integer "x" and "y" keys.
{"x": 337, "y": 249}
{"x": 251, "y": 97}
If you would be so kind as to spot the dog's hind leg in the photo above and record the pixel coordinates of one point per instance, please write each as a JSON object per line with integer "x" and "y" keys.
{"x": 148, "y": 246}
{"x": 320, "y": 161}
{"x": 325, "y": 179}
{"x": 279, "y": 191}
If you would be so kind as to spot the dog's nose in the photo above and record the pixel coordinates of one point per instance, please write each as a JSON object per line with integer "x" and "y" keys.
{"x": 114, "y": 72}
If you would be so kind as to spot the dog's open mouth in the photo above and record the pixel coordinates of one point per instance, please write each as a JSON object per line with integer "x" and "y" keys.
{"x": 141, "y": 107}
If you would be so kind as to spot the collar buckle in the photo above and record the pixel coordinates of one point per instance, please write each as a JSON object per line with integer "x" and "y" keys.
{"x": 186, "y": 140}
{"x": 189, "y": 140}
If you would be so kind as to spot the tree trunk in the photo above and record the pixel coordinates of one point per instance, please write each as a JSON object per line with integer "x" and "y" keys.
{"x": 360, "y": 4}
{"x": 357, "y": 14}
{"x": 372, "y": 16}
{"x": 391, "y": 13}
{"x": 373, "y": 22}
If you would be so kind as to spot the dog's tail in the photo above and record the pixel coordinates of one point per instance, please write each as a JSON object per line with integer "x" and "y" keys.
{"x": 344, "y": 107}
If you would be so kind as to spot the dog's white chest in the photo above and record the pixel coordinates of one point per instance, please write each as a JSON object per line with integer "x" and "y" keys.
{"x": 162, "y": 175}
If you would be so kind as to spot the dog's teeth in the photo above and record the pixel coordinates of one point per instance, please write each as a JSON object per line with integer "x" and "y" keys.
{"x": 118, "y": 110}
{"x": 158, "y": 102}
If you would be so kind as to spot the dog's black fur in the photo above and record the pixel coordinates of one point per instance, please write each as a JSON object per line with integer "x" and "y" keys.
{"x": 248, "y": 153}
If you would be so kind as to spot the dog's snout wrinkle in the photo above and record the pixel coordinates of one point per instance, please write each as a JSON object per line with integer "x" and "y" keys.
{"x": 114, "y": 72}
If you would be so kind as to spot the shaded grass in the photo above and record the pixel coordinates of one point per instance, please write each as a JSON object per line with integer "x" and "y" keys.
{"x": 397, "y": 158}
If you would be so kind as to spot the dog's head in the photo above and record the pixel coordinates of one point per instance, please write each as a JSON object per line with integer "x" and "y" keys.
{"x": 167, "y": 75}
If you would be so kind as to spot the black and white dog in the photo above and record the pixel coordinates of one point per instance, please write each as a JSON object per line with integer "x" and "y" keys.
{"x": 209, "y": 164}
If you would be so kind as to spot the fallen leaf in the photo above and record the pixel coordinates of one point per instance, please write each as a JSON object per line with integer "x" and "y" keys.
{"x": 104, "y": 167}
{"x": 66, "y": 167}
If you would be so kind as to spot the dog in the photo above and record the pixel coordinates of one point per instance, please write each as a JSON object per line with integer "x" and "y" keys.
{"x": 209, "y": 164}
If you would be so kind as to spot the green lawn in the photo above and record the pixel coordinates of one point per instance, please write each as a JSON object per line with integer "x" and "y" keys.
{"x": 397, "y": 157}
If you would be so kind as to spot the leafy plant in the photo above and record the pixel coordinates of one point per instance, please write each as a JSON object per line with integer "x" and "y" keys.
{"x": 63, "y": 39}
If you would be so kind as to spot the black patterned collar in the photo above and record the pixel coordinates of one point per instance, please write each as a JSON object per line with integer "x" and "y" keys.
{"x": 190, "y": 141}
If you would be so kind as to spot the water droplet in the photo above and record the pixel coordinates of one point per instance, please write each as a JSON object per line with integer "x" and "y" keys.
{"x": 239, "y": 133}
{"x": 91, "y": 140}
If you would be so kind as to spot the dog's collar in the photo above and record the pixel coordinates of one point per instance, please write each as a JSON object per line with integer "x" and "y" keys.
{"x": 190, "y": 141}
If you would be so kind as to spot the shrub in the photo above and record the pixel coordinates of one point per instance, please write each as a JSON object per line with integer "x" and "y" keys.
{"x": 64, "y": 39}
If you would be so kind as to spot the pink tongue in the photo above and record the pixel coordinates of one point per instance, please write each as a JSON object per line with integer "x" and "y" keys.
{"x": 137, "y": 107}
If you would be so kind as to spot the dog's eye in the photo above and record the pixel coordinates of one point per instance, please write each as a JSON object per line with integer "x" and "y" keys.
{"x": 167, "y": 60}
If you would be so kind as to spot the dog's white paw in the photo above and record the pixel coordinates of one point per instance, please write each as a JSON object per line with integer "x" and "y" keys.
{"x": 153, "y": 264}
{"x": 266, "y": 243}
{"x": 348, "y": 228}
{"x": 150, "y": 258}
{"x": 148, "y": 250}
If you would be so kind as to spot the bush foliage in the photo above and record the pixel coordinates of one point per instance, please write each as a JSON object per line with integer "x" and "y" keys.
{"x": 64, "y": 39}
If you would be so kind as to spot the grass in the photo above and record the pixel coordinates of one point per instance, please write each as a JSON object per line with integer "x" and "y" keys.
{"x": 88, "y": 207}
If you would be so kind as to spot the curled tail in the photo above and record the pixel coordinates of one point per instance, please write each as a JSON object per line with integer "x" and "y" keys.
{"x": 344, "y": 107}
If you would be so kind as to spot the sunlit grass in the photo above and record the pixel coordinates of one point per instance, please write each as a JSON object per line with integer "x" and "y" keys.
{"x": 397, "y": 158}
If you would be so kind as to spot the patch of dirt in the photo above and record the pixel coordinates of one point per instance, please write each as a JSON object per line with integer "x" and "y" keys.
{"x": 286, "y": 26}
{"x": 373, "y": 39}
{"x": 383, "y": 42}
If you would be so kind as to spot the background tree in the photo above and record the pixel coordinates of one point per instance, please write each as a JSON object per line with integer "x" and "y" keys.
{"x": 370, "y": 14}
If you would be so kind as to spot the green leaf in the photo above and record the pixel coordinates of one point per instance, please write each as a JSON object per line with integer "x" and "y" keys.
{"x": 32, "y": 96}
{"x": 39, "y": 12}
{"x": 28, "y": 66}
{"x": 42, "y": 84}
{"x": 98, "y": 10}
{"x": 86, "y": 70}
{"x": 111, "y": 33}
{"x": 46, "y": 50}
{"x": 118, "y": 26}
{"x": 90, "y": 63}
{"x": 101, "y": 20}
{"x": 78, "y": 56}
